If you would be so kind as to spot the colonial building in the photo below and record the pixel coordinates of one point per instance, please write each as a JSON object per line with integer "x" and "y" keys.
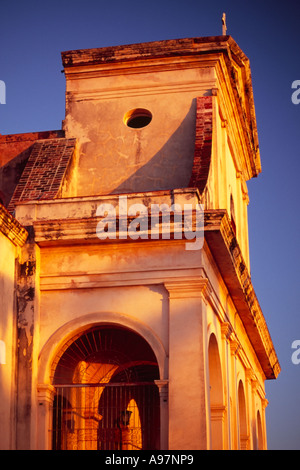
{"x": 128, "y": 316}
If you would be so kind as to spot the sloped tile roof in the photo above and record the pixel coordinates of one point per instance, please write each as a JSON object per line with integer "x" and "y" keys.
{"x": 44, "y": 171}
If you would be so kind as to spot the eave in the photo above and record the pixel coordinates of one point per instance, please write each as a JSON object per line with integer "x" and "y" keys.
{"x": 227, "y": 255}
{"x": 225, "y": 251}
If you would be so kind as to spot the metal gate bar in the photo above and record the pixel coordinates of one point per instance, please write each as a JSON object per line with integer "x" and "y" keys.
{"x": 106, "y": 416}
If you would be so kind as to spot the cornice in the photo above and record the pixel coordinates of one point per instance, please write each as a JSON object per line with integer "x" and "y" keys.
{"x": 11, "y": 228}
{"x": 144, "y": 51}
{"x": 188, "y": 288}
{"x": 228, "y": 257}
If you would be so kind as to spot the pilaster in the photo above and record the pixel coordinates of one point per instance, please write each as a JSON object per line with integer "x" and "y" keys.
{"x": 187, "y": 402}
{"x": 27, "y": 318}
{"x": 164, "y": 412}
{"x": 45, "y": 397}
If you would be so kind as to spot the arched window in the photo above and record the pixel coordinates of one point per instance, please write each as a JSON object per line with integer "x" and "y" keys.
{"x": 217, "y": 408}
{"x": 243, "y": 434}
{"x": 260, "y": 444}
{"x": 106, "y": 398}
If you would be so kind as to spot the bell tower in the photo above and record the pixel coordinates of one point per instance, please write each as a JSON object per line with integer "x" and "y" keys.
{"x": 163, "y": 116}
{"x": 175, "y": 333}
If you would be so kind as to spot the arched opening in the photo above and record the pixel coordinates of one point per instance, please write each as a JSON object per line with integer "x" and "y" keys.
{"x": 217, "y": 408}
{"x": 260, "y": 444}
{"x": 243, "y": 434}
{"x": 105, "y": 394}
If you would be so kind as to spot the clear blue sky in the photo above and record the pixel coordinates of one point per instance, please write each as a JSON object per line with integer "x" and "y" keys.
{"x": 32, "y": 35}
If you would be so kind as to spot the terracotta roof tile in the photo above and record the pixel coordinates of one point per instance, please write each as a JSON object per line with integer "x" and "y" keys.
{"x": 44, "y": 171}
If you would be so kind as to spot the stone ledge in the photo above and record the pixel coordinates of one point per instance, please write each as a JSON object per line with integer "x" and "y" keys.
{"x": 11, "y": 228}
{"x": 227, "y": 254}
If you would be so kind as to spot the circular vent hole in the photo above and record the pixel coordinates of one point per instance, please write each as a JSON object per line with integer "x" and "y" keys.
{"x": 138, "y": 118}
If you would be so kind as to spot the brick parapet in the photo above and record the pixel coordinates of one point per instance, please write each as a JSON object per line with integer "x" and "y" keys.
{"x": 203, "y": 143}
{"x": 12, "y": 145}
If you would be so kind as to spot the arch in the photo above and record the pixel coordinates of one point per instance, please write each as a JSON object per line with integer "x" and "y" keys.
{"x": 242, "y": 413}
{"x": 217, "y": 408}
{"x": 63, "y": 336}
{"x": 101, "y": 353}
{"x": 260, "y": 443}
{"x": 106, "y": 374}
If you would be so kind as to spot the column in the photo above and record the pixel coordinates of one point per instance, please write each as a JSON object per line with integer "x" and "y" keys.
{"x": 187, "y": 397}
{"x": 164, "y": 412}
{"x": 252, "y": 385}
{"x": 227, "y": 331}
{"x": 45, "y": 395}
{"x": 264, "y": 404}
{"x": 234, "y": 347}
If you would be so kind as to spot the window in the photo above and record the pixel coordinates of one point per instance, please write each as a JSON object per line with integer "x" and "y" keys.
{"x": 137, "y": 118}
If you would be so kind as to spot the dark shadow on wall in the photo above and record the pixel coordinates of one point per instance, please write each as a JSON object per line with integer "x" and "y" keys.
{"x": 10, "y": 175}
{"x": 171, "y": 167}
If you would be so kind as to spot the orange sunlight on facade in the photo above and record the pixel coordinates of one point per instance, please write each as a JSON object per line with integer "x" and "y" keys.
{"x": 113, "y": 333}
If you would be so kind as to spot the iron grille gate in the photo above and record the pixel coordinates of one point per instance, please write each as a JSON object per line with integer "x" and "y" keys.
{"x": 106, "y": 416}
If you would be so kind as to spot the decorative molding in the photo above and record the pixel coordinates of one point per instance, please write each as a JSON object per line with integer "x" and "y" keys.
{"x": 228, "y": 257}
{"x": 45, "y": 393}
{"x": 74, "y": 280}
{"x": 163, "y": 387}
{"x": 226, "y": 330}
{"x": 186, "y": 288}
{"x": 264, "y": 403}
{"x": 129, "y": 91}
{"x": 11, "y": 228}
{"x": 234, "y": 347}
{"x": 244, "y": 441}
{"x": 217, "y": 412}
{"x": 172, "y": 50}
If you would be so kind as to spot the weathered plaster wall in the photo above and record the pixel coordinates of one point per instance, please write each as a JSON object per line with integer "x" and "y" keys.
{"x": 151, "y": 284}
{"x": 125, "y": 279}
{"x": 115, "y": 158}
{"x": 226, "y": 177}
{"x": 12, "y": 238}
{"x": 67, "y": 280}
{"x": 27, "y": 318}
{"x": 8, "y": 336}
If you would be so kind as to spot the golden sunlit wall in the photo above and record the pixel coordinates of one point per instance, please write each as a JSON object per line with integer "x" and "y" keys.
{"x": 7, "y": 266}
